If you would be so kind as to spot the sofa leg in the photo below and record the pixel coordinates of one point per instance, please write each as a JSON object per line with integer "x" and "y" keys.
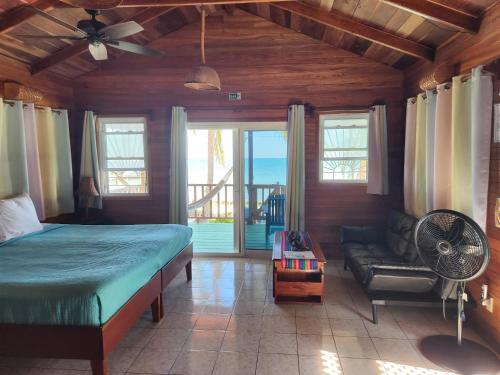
{"x": 189, "y": 271}
{"x": 157, "y": 309}
{"x": 345, "y": 265}
{"x": 375, "y": 313}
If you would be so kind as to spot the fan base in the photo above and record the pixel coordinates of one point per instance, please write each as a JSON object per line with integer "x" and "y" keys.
{"x": 469, "y": 358}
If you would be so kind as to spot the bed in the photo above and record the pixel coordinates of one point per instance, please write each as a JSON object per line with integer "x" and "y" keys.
{"x": 73, "y": 291}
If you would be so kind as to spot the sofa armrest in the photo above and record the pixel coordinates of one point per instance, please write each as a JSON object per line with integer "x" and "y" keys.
{"x": 400, "y": 278}
{"x": 361, "y": 234}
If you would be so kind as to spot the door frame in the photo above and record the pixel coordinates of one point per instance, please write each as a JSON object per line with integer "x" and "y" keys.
{"x": 239, "y": 129}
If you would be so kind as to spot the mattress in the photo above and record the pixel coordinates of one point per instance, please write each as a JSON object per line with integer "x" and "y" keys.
{"x": 80, "y": 275}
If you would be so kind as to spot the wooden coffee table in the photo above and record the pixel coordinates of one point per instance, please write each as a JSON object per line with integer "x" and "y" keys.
{"x": 299, "y": 286}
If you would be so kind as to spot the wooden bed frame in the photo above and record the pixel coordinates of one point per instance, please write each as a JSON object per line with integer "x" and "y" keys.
{"x": 94, "y": 343}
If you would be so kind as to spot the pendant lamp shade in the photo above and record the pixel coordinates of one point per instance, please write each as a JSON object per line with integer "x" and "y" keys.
{"x": 203, "y": 77}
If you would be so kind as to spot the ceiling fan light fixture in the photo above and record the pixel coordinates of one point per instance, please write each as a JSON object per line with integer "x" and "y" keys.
{"x": 203, "y": 78}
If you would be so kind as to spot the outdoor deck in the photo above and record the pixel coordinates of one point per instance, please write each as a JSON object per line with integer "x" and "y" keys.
{"x": 219, "y": 238}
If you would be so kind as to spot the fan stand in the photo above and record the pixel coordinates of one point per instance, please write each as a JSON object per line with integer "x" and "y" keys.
{"x": 457, "y": 354}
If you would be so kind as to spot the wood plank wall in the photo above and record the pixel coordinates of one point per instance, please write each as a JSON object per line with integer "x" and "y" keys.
{"x": 57, "y": 91}
{"x": 465, "y": 52}
{"x": 271, "y": 66}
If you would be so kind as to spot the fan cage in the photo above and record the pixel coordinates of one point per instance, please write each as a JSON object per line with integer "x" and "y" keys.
{"x": 463, "y": 252}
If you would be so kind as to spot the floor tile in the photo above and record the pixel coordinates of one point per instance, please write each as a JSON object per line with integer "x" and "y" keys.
{"x": 278, "y": 343}
{"x": 315, "y": 344}
{"x": 168, "y": 339}
{"x": 178, "y": 321}
{"x": 212, "y": 322}
{"x": 241, "y": 341}
{"x": 279, "y": 323}
{"x": 249, "y": 308}
{"x": 325, "y": 364}
{"x": 342, "y": 311}
{"x": 204, "y": 340}
{"x": 385, "y": 330}
{"x": 279, "y": 309}
{"x": 219, "y": 307}
{"x": 136, "y": 338}
{"x": 313, "y": 326}
{"x": 357, "y": 366}
{"x": 355, "y": 347}
{"x": 120, "y": 359}
{"x": 396, "y": 350}
{"x": 232, "y": 363}
{"x": 194, "y": 363}
{"x": 153, "y": 361}
{"x": 251, "y": 323}
{"x": 277, "y": 364}
{"x": 348, "y": 327}
{"x": 310, "y": 311}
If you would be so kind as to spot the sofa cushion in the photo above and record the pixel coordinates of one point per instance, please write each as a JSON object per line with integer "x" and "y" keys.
{"x": 362, "y": 264}
{"x": 354, "y": 249}
{"x": 399, "y": 235}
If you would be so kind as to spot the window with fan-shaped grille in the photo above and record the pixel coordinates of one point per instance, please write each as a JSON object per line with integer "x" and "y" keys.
{"x": 343, "y": 147}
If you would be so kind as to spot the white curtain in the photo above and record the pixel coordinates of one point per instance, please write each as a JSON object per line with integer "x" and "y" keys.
{"x": 378, "y": 173}
{"x": 481, "y": 118}
{"x": 35, "y": 157}
{"x": 89, "y": 161}
{"x": 409, "y": 165}
{"x": 295, "y": 193}
{"x": 442, "y": 148}
{"x": 452, "y": 148}
{"x": 33, "y": 160}
{"x": 178, "y": 208}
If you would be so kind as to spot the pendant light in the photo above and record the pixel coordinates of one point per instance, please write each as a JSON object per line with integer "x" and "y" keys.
{"x": 203, "y": 77}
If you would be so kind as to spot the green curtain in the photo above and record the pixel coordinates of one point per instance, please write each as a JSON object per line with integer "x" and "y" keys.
{"x": 178, "y": 167}
{"x": 65, "y": 197}
{"x": 89, "y": 162}
{"x": 13, "y": 164}
{"x": 295, "y": 184}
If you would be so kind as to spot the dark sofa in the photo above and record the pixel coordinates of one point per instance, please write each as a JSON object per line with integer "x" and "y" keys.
{"x": 386, "y": 263}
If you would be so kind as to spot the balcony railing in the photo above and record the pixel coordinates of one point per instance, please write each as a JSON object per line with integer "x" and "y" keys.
{"x": 222, "y": 205}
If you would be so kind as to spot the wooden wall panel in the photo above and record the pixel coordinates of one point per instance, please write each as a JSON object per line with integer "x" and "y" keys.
{"x": 465, "y": 52}
{"x": 57, "y": 91}
{"x": 272, "y": 67}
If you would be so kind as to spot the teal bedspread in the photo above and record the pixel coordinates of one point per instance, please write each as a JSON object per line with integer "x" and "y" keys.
{"x": 81, "y": 274}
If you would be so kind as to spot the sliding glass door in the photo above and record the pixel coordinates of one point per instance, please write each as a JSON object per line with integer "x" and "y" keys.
{"x": 213, "y": 199}
{"x": 236, "y": 185}
{"x": 265, "y": 186}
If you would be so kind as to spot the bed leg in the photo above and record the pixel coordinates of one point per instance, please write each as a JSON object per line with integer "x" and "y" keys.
{"x": 99, "y": 366}
{"x": 188, "y": 271}
{"x": 157, "y": 309}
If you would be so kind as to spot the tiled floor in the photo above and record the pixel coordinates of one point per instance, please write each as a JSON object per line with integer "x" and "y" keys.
{"x": 224, "y": 322}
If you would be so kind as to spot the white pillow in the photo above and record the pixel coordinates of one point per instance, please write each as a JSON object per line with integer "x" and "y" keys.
{"x": 18, "y": 217}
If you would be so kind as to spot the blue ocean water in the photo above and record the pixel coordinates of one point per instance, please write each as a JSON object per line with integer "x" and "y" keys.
{"x": 266, "y": 171}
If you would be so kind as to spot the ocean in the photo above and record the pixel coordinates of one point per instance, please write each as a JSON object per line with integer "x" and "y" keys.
{"x": 266, "y": 171}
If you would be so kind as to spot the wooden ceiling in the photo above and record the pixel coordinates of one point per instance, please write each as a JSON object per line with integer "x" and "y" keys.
{"x": 392, "y": 32}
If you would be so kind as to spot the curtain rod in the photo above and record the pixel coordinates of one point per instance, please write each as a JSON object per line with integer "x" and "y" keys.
{"x": 463, "y": 78}
{"x": 308, "y": 107}
{"x": 12, "y": 102}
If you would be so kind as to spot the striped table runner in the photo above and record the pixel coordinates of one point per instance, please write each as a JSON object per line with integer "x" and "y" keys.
{"x": 281, "y": 245}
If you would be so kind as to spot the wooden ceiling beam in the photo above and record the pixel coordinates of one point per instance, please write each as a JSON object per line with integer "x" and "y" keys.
{"x": 81, "y": 46}
{"x": 349, "y": 25}
{"x": 14, "y": 17}
{"x": 439, "y": 12}
{"x": 180, "y": 3}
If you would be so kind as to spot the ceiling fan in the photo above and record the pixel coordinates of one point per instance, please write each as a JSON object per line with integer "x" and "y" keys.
{"x": 99, "y": 35}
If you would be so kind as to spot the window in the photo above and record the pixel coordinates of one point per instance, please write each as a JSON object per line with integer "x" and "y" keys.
{"x": 123, "y": 144}
{"x": 343, "y": 147}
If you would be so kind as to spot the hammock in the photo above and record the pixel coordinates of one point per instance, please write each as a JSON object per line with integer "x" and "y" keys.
{"x": 207, "y": 198}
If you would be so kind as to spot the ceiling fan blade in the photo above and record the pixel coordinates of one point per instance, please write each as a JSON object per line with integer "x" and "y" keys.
{"x": 98, "y": 51}
{"x": 58, "y": 21}
{"x": 134, "y": 48}
{"x": 122, "y": 30}
{"x": 69, "y": 37}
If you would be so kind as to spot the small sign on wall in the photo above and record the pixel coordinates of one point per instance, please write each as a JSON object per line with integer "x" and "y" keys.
{"x": 496, "y": 123}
